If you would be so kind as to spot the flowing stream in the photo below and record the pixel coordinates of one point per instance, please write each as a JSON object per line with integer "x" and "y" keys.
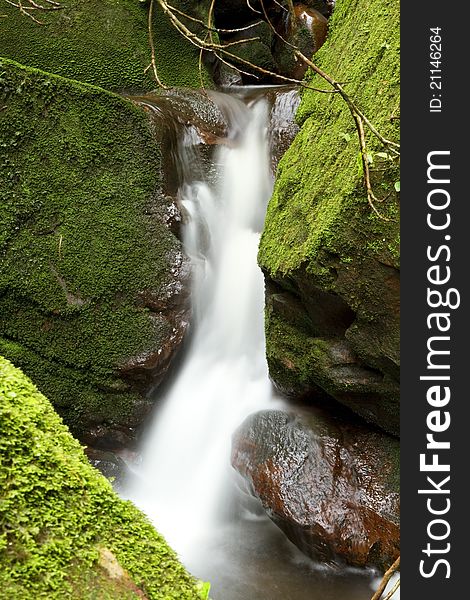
{"x": 185, "y": 482}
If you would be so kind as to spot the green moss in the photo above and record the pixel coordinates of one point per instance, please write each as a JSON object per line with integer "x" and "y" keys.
{"x": 319, "y": 201}
{"x": 79, "y": 174}
{"x": 57, "y": 513}
{"x": 101, "y": 42}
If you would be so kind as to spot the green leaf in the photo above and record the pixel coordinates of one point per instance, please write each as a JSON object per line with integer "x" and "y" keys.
{"x": 203, "y": 588}
{"x": 382, "y": 154}
{"x": 397, "y": 186}
{"x": 370, "y": 158}
{"x": 345, "y": 136}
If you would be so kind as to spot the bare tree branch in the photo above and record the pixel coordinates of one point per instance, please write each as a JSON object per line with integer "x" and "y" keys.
{"x": 386, "y": 578}
{"x": 390, "y": 594}
{"x": 25, "y": 6}
{"x": 222, "y": 52}
{"x": 215, "y": 29}
{"x": 153, "y": 64}
{"x": 392, "y": 146}
{"x": 365, "y": 165}
{"x": 251, "y": 8}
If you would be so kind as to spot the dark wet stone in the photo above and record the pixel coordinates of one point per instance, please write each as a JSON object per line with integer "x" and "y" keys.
{"x": 307, "y": 32}
{"x": 282, "y": 126}
{"x": 109, "y": 464}
{"x": 331, "y": 485}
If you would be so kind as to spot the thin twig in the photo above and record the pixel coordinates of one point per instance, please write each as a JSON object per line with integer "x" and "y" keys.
{"x": 55, "y": 6}
{"x": 213, "y": 28}
{"x": 280, "y": 5}
{"x": 32, "y": 5}
{"x": 251, "y": 8}
{"x": 24, "y": 12}
{"x": 152, "y": 48}
{"x": 392, "y": 146}
{"x": 232, "y": 66}
{"x": 386, "y": 578}
{"x": 237, "y": 42}
{"x": 371, "y": 199}
{"x": 390, "y": 594}
{"x": 199, "y": 66}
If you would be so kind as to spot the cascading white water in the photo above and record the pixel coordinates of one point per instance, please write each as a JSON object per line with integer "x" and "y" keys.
{"x": 184, "y": 481}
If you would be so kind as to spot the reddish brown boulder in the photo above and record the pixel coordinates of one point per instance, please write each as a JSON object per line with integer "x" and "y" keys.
{"x": 330, "y": 485}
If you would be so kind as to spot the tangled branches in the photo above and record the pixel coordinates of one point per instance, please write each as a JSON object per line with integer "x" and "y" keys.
{"x": 30, "y": 8}
{"x": 209, "y": 41}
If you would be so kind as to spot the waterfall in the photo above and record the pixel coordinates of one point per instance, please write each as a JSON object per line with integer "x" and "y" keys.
{"x": 184, "y": 482}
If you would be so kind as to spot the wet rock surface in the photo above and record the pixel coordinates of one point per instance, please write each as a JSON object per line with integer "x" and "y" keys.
{"x": 188, "y": 108}
{"x": 282, "y": 126}
{"x": 330, "y": 484}
{"x": 306, "y": 31}
{"x": 109, "y": 464}
{"x": 324, "y": 343}
{"x": 264, "y": 34}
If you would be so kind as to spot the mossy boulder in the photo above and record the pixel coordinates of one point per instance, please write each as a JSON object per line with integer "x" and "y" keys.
{"x": 331, "y": 264}
{"x": 332, "y": 485}
{"x": 92, "y": 280}
{"x": 64, "y": 533}
{"x": 104, "y": 43}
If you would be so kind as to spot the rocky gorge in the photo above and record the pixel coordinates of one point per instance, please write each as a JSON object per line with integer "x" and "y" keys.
{"x": 95, "y": 282}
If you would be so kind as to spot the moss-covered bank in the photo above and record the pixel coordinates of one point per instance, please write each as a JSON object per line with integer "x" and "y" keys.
{"x": 102, "y": 42}
{"x": 323, "y": 249}
{"x": 80, "y": 238}
{"x": 64, "y": 533}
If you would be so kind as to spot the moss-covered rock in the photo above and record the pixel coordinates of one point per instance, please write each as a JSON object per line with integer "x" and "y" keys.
{"x": 102, "y": 42}
{"x": 323, "y": 248}
{"x": 64, "y": 533}
{"x": 89, "y": 270}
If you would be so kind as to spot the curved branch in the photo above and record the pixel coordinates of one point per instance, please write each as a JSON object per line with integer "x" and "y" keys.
{"x": 32, "y": 5}
{"x": 390, "y": 594}
{"x": 213, "y": 28}
{"x": 392, "y": 146}
{"x": 386, "y": 578}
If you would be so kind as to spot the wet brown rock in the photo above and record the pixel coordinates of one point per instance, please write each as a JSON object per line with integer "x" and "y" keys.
{"x": 330, "y": 485}
{"x": 307, "y": 31}
{"x": 171, "y": 312}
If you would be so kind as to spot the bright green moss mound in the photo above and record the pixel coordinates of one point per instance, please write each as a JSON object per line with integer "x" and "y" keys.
{"x": 58, "y": 514}
{"x": 79, "y": 238}
{"x": 319, "y": 200}
{"x": 102, "y": 42}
